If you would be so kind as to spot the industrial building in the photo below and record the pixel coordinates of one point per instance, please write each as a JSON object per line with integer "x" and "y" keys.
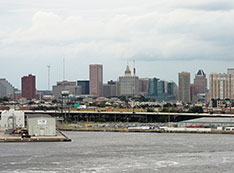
{"x": 12, "y": 119}
{"x": 41, "y": 125}
{"x": 211, "y": 122}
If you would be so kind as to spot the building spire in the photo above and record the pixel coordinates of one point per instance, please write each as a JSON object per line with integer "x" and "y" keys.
{"x": 127, "y": 71}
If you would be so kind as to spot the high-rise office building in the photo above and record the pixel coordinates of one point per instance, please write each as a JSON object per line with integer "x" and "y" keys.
{"x": 96, "y": 80}
{"x": 152, "y": 89}
{"x": 200, "y": 81}
{"x": 84, "y": 86}
{"x": 221, "y": 86}
{"x": 172, "y": 90}
{"x": 28, "y": 86}
{"x": 129, "y": 84}
{"x": 162, "y": 90}
{"x": 6, "y": 89}
{"x": 184, "y": 87}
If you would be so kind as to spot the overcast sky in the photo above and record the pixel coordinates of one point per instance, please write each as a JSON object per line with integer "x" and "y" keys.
{"x": 163, "y": 36}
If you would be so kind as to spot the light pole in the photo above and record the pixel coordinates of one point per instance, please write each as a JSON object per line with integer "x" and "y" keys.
{"x": 65, "y": 96}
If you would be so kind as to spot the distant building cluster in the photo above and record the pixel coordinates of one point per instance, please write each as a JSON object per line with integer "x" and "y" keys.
{"x": 221, "y": 87}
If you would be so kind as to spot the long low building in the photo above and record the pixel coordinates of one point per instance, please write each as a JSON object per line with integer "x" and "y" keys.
{"x": 212, "y": 122}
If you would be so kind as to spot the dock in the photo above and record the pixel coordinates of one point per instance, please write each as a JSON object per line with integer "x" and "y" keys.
{"x": 60, "y": 137}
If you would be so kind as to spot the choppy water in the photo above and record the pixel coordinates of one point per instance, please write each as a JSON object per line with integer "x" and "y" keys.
{"x": 91, "y": 152}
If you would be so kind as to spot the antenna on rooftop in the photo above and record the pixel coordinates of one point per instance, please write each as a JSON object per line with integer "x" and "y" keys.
{"x": 134, "y": 69}
{"x": 48, "y": 66}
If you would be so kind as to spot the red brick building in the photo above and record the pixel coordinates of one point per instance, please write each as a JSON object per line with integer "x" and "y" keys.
{"x": 28, "y": 86}
{"x": 96, "y": 80}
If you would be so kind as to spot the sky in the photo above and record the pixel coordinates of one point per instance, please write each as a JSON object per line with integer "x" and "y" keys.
{"x": 164, "y": 37}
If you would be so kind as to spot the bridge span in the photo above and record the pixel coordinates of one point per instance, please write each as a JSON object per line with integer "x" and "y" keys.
{"x": 109, "y": 116}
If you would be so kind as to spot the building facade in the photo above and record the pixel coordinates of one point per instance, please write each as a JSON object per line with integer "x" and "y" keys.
{"x": 152, "y": 88}
{"x": 109, "y": 90}
{"x": 172, "y": 89}
{"x": 96, "y": 80}
{"x": 70, "y": 87}
{"x": 6, "y": 89}
{"x": 84, "y": 86}
{"x": 12, "y": 119}
{"x": 200, "y": 81}
{"x": 129, "y": 84}
{"x": 28, "y": 86}
{"x": 184, "y": 87}
{"x": 194, "y": 93}
{"x": 230, "y": 70}
{"x": 221, "y": 86}
{"x": 41, "y": 125}
{"x": 143, "y": 86}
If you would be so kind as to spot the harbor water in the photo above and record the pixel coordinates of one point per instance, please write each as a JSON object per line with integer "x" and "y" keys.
{"x": 100, "y": 152}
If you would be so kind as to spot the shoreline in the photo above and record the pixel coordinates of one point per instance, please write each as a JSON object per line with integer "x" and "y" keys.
{"x": 147, "y": 131}
{"x": 60, "y": 137}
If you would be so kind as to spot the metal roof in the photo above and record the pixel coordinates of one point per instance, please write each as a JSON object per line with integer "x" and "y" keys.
{"x": 39, "y": 116}
{"x": 210, "y": 120}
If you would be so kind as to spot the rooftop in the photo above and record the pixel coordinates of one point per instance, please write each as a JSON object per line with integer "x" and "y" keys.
{"x": 210, "y": 120}
{"x": 200, "y": 73}
{"x": 39, "y": 116}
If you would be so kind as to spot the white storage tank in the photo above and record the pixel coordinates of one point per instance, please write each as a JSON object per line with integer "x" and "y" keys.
{"x": 41, "y": 125}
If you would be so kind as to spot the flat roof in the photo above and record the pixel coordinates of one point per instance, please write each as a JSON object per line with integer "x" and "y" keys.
{"x": 210, "y": 120}
{"x": 39, "y": 116}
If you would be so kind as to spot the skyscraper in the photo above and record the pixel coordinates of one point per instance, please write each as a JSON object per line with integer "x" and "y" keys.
{"x": 129, "y": 84}
{"x": 96, "y": 80}
{"x": 184, "y": 87}
{"x": 28, "y": 86}
{"x": 152, "y": 89}
{"x": 200, "y": 81}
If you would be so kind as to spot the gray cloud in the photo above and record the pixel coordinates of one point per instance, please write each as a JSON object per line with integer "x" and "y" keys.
{"x": 108, "y": 31}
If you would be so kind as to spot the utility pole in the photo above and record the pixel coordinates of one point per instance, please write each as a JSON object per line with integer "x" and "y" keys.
{"x": 134, "y": 86}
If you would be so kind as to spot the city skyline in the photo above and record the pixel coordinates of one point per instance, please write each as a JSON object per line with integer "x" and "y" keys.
{"x": 193, "y": 75}
{"x": 164, "y": 37}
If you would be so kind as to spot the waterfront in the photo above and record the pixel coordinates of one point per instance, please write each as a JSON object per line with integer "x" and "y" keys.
{"x": 91, "y": 152}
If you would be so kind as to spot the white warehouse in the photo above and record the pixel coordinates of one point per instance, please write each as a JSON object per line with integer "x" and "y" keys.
{"x": 41, "y": 125}
{"x": 12, "y": 119}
